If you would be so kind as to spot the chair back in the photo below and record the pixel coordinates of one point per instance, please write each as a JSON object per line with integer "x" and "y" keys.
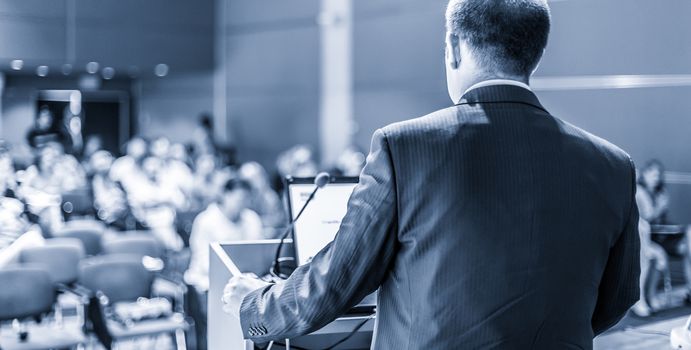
{"x": 141, "y": 244}
{"x": 90, "y": 238}
{"x": 86, "y": 223}
{"x": 121, "y": 277}
{"x": 60, "y": 257}
{"x": 78, "y": 202}
{"x": 26, "y": 291}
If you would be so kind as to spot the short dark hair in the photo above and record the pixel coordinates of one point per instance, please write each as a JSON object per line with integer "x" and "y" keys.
{"x": 507, "y": 35}
{"x": 236, "y": 183}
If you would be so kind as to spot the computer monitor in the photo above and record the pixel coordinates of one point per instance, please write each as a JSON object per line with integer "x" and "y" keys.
{"x": 321, "y": 219}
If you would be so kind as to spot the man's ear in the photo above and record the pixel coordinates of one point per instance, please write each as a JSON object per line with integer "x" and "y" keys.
{"x": 453, "y": 50}
{"x": 538, "y": 63}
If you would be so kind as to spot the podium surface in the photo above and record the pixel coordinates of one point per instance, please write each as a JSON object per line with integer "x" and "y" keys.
{"x": 228, "y": 259}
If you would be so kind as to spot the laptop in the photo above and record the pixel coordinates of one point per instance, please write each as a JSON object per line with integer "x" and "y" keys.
{"x": 321, "y": 220}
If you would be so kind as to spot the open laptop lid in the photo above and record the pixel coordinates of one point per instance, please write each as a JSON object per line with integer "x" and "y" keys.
{"x": 321, "y": 219}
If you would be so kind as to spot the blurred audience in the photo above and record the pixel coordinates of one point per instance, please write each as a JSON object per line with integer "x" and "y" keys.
{"x": 110, "y": 200}
{"x": 659, "y": 240}
{"x": 127, "y": 168}
{"x": 14, "y": 219}
{"x": 263, "y": 199}
{"x": 208, "y": 180}
{"x": 651, "y": 197}
{"x": 185, "y": 196}
{"x": 46, "y": 130}
{"x": 53, "y": 174}
{"x": 227, "y": 219}
{"x": 203, "y": 136}
{"x": 350, "y": 162}
{"x": 297, "y": 161}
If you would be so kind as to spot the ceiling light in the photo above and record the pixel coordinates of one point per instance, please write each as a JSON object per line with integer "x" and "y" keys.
{"x": 92, "y": 67}
{"x": 17, "y": 64}
{"x": 42, "y": 71}
{"x": 108, "y": 73}
{"x": 66, "y": 69}
{"x": 161, "y": 69}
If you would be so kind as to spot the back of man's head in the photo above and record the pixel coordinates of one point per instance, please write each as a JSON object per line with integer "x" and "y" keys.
{"x": 505, "y": 36}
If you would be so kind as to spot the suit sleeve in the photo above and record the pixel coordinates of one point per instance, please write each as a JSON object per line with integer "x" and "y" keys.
{"x": 619, "y": 287}
{"x": 341, "y": 274}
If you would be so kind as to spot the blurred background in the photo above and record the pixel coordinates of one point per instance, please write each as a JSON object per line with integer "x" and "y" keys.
{"x": 130, "y": 119}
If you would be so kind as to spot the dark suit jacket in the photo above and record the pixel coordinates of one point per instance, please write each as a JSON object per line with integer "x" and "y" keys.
{"x": 490, "y": 224}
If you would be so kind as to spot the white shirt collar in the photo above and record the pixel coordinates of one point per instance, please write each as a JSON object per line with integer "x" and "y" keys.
{"x": 492, "y": 82}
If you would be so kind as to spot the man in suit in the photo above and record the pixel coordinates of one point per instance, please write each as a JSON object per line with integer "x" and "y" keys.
{"x": 489, "y": 224}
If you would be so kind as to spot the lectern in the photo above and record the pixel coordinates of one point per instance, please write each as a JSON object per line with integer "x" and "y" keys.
{"x": 232, "y": 258}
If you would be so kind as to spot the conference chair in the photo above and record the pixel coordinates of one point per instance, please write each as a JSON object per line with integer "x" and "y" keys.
{"x": 60, "y": 257}
{"x": 145, "y": 246}
{"x": 175, "y": 262}
{"x": 673, "y": 291}
{"x": 122, "y": 278}
{"x": 90, "y": 236}
{"x": 85, "y": 223}
{"x": 78, "y": 203}
{"x": 30, "y": 297}
{"x": 134, "y": 243}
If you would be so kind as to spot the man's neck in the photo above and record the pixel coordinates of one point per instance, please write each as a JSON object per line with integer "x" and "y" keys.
{"x": 479, "y": 78}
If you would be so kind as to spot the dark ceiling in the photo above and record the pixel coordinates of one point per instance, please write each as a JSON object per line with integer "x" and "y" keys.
{"x": 131, "y": 36}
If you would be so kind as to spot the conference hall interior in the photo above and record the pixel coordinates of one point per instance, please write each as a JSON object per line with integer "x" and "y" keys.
{"x": 151, "y": 150}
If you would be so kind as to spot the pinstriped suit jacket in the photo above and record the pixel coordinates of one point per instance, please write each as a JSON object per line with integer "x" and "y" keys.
{"x": 487, "y": 225}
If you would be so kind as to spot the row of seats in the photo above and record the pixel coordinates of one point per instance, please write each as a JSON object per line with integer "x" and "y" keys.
{"x": 82, "y": 271}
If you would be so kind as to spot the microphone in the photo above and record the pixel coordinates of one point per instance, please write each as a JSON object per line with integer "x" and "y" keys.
{"x": 320, "y": 181}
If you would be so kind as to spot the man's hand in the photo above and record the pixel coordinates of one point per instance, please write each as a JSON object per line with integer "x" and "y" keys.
{"x": 235, "y": 291}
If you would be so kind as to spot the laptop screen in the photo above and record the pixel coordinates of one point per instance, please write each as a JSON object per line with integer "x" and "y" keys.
{"x": 321, "y": 219}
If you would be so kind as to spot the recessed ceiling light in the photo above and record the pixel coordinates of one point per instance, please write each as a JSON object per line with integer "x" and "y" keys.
{"x": 66, "y": 69}
{"x": 92, "y": 67}
{"x": 161, "y": 69}
{"x": 42, "y": 71}
{"x": 17, "y": 64}
{"x": 108, "y": 73}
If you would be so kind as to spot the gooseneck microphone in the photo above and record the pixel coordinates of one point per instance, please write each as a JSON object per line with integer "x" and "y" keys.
{"x": 321, "y": 180}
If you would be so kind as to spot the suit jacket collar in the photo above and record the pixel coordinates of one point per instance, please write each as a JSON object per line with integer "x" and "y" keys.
{"x": 500, "y": 93}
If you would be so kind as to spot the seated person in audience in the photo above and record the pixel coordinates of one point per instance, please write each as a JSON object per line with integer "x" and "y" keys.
{"x": 93, "y": 144}
{"x": 18, "y": 227}
{"x": 180, "y": 164}
{"x": 153, "y": 202}
{"x": 228, "y": 219}
{"x": 14, "y": 219}
{"x": 208, "y": 181}
{"x": 43, "y": 183}
{"x": 127, "y": 168}
{"x": 263, "y": 199}
{"x": 350, "y": 162}
{"x": 109, "y": 197}
{"x": 8, "y": 176}
{"x": 203, "y": 136}
{"x": 54, "y": 171}
{"x": 297, "y": 161}
{"x": 653, "y": 205}
{"x": 179, "y": 176}
{"x": 46, "y": 130}
{"x": 651, "y": 195}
